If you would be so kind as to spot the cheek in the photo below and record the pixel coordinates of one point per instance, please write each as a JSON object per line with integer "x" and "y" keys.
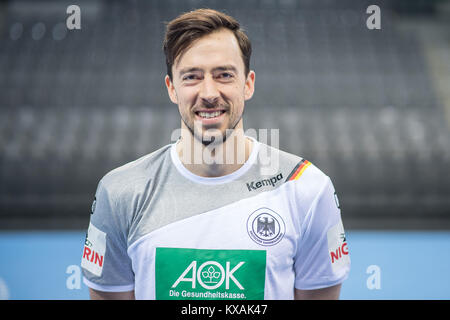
{"x": 186, "y": 99}
{"x": 236, "y": 94}
{"x": 239, "y": 100}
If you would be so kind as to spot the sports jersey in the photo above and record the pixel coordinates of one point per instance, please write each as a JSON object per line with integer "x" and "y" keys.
{"x": 166, "y": 233}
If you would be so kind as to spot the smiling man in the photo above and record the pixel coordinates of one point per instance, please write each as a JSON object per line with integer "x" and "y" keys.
{"x": 201, "y": 218}
{"x": 209, "y": 80}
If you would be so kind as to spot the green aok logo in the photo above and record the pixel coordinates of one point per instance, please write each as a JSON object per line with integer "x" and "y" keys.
{"x": 209, "y": 274}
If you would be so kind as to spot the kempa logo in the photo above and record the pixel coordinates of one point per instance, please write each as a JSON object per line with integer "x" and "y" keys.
{"x": 210, "y": 275}
{"x": 265, "y": 182}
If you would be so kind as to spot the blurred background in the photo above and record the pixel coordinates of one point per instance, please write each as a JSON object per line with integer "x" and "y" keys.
{"x": 370, "y": 107}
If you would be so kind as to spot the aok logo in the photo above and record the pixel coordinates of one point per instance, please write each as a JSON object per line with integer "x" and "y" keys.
{"x": 210, "y": 275}
{"x": 186, "y": 273}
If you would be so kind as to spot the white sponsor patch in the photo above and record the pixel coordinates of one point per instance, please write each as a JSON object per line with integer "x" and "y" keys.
{"x": 337, "y": 247}
{"x": 94, "y": 250}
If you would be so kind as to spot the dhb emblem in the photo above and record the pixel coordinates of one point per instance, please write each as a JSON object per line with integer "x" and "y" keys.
{"x": 265, "y": 227}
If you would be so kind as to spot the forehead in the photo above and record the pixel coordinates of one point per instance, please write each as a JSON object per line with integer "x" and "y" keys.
{"x": 212, "y": 50}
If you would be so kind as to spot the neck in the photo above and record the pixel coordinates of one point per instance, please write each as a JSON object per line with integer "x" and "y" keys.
{"x": 214, "y": 160}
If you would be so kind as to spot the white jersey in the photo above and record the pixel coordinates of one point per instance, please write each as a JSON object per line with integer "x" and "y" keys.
{"x": 160, "y": 230}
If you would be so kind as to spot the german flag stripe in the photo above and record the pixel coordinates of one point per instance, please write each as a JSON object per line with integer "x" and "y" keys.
{"x": 298, "y": 170}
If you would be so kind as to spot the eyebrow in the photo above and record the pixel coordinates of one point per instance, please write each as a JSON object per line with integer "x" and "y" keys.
{"x": 220, "y": 68}
{"x": 226, "y": 68}
{"x": 187, "y": 70}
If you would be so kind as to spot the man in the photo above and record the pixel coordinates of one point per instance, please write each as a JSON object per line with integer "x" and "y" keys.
{"x": 182, "y": 223}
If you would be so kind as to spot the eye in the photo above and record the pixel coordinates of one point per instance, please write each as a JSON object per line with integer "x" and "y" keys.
{"x": 226, "y": 75}
{"x": 190, "y": 77}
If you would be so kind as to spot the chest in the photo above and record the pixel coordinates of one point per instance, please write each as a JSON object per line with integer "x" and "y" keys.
{"x": 232, "y": 249}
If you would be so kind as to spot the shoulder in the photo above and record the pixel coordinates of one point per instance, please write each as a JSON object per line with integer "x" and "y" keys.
{"x": 304, "y": 176}
{"x": 127, "y": 177}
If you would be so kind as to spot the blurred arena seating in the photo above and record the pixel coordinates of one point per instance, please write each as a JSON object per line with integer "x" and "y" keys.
{"x": 358, "y": 103}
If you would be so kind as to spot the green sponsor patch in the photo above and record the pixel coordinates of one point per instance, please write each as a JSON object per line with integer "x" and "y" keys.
{"x": 209, "y": 274}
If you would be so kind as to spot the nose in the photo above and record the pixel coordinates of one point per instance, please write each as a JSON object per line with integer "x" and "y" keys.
{"x": 209, "y": 91}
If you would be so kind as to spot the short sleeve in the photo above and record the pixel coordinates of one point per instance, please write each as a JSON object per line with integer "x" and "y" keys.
{"x": 105, "y": 263}
{"x": 322, "y": 257}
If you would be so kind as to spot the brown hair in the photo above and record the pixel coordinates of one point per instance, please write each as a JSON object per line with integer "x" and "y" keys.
{"x": 190, "y": 26}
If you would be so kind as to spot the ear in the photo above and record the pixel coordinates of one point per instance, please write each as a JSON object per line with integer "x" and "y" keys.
{"x": 249, "y": 85}
{"x": 171, "y": 90}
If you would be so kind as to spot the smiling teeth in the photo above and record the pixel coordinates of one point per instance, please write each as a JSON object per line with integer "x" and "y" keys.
{"x": 210, "y": 114}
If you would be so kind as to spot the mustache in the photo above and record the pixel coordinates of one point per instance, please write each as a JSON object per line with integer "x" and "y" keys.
{"x": 213, "y": 105}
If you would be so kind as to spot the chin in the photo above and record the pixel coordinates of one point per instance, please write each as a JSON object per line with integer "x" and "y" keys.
{"x": 216, "y": 139}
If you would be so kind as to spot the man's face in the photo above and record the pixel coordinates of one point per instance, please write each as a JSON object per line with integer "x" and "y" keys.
{"x": 210, "y": 87}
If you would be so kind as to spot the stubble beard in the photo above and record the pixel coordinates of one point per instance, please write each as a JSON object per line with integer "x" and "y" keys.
{"x": 198, "y": 134}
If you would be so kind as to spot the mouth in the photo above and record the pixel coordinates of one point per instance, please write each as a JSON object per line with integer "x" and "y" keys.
{"x": 210, "y": 117}
{"x": 209, "y": 114}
